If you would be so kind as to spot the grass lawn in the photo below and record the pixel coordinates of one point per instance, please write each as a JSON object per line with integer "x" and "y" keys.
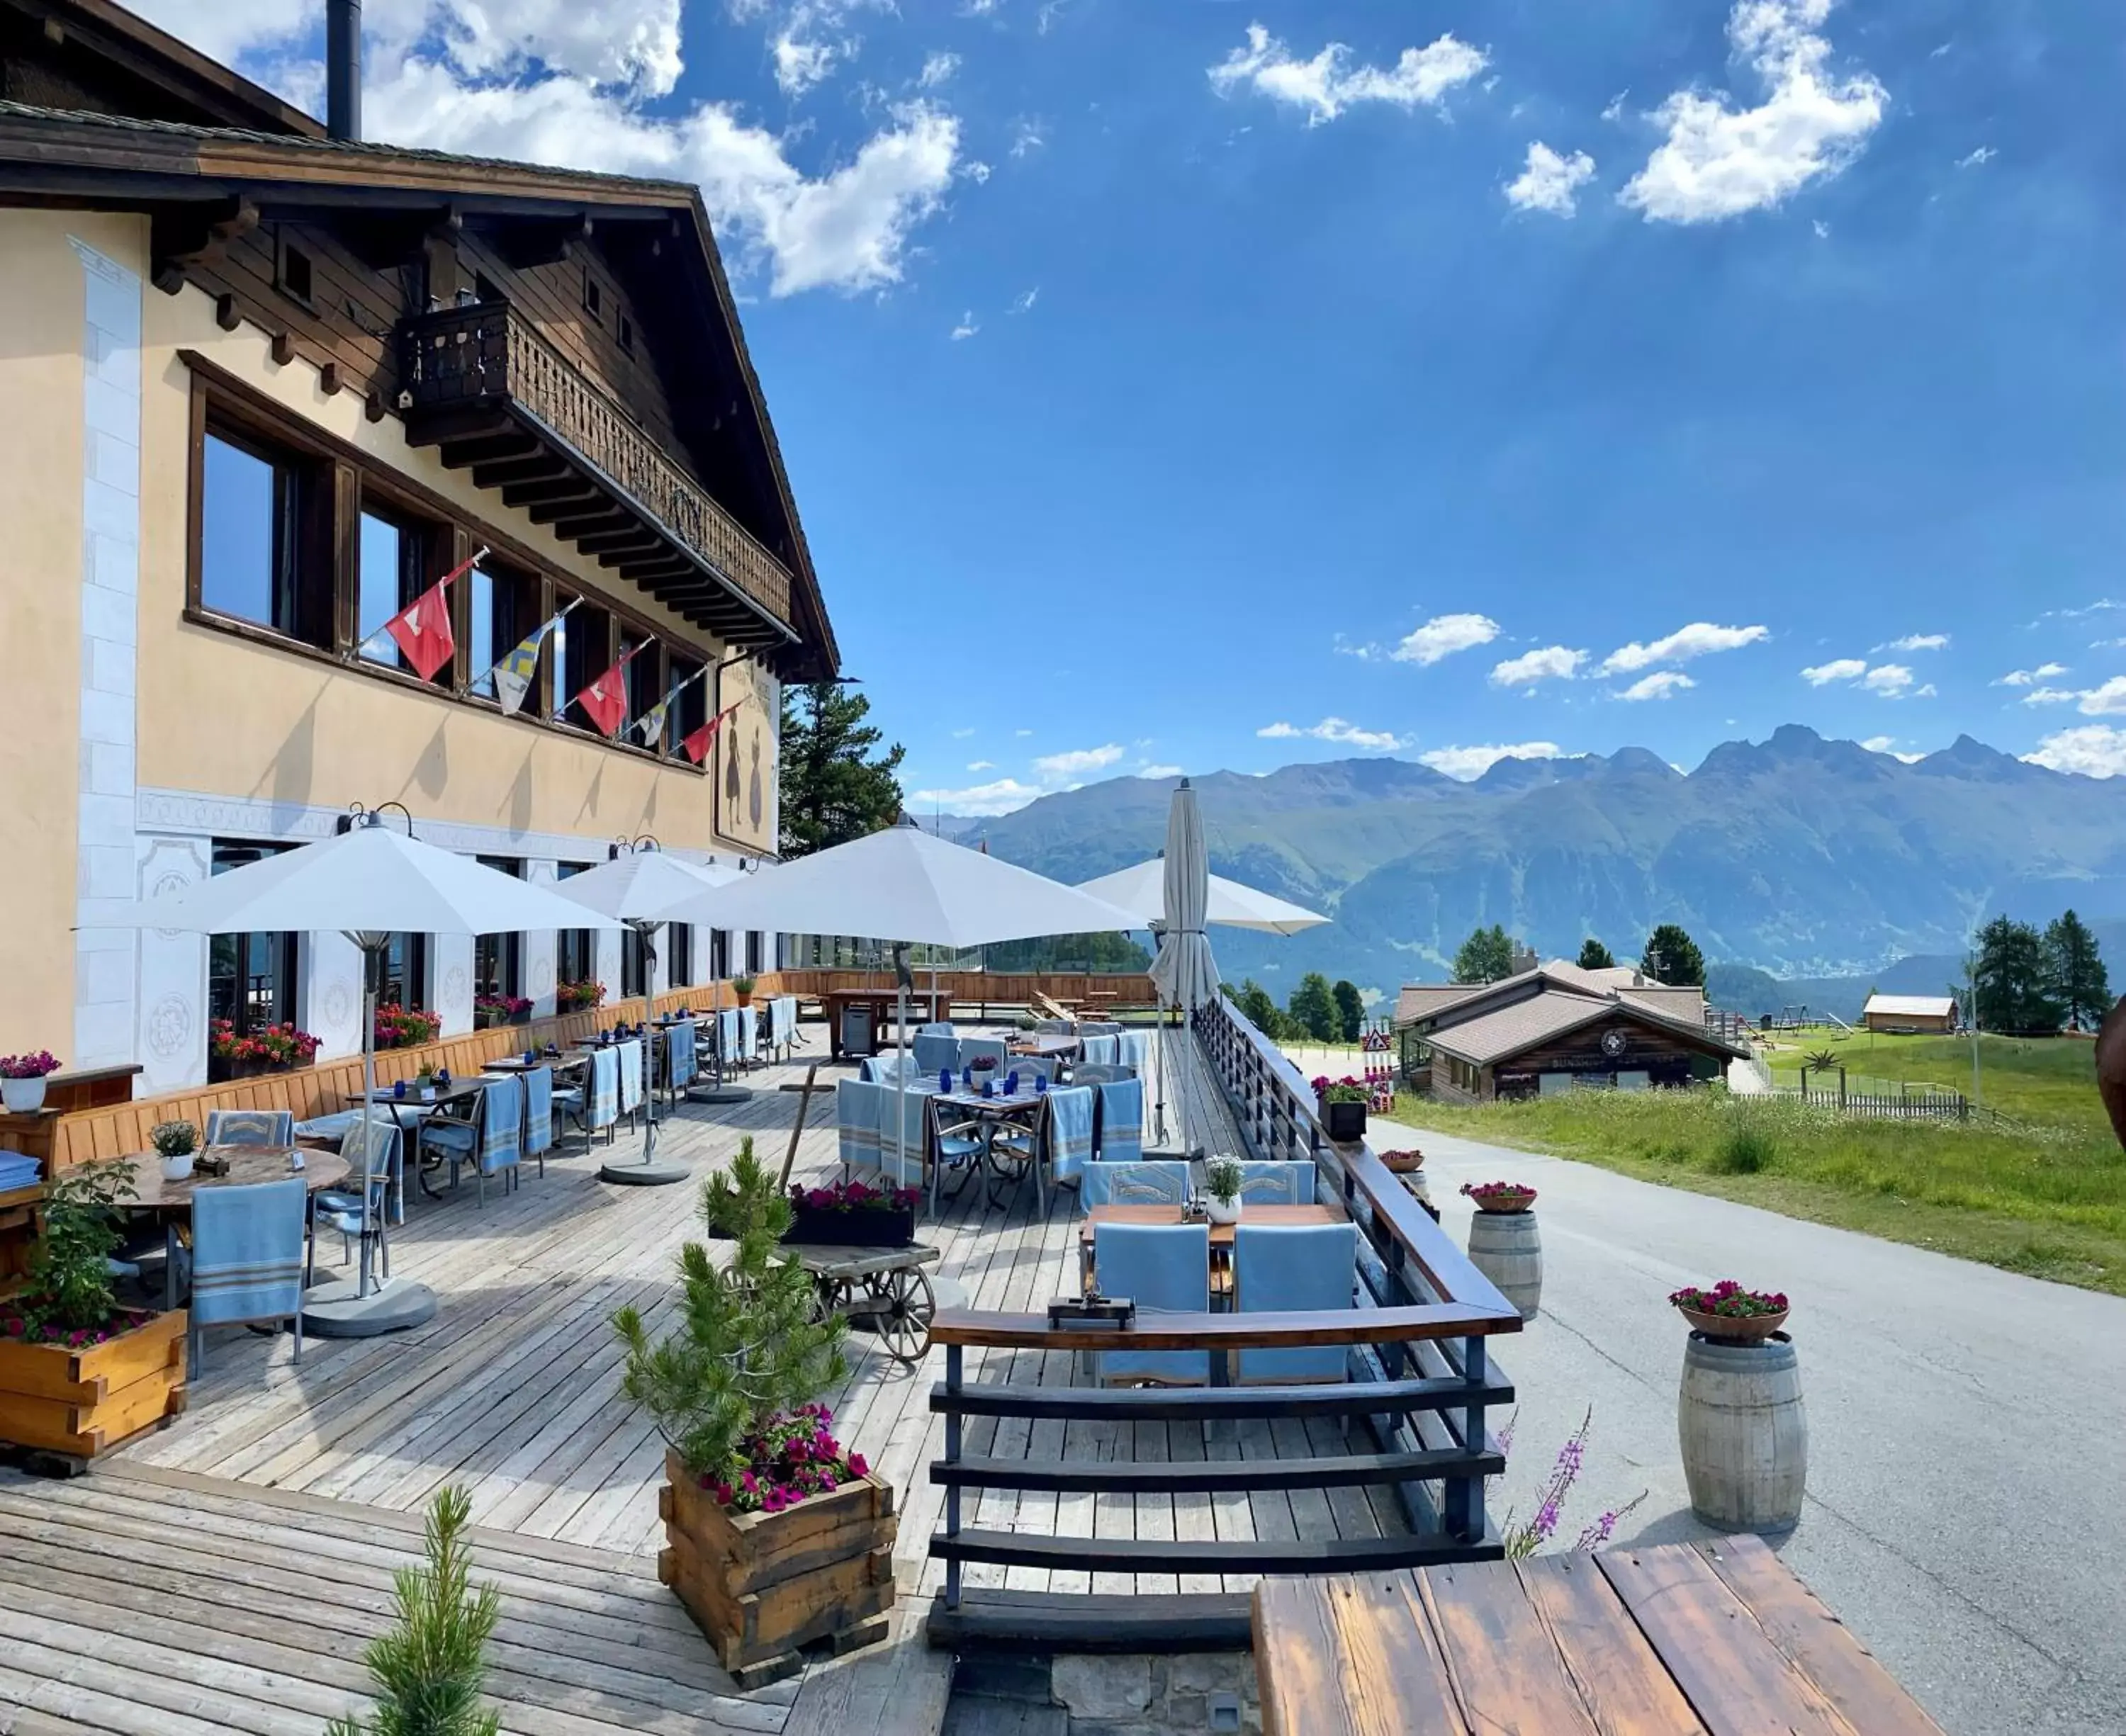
{"x": 2045, "y": 1196}
{"x": 2040, "y": 1079}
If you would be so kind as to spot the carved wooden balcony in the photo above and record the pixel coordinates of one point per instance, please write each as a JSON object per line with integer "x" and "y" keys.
{"x": 481, "y": 384}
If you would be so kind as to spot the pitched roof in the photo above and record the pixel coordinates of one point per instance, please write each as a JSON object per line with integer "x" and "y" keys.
{"x": 1911, "y": 1006}
{"x": 1423, "y": 1000}
{"x": 1555, "y": 1012}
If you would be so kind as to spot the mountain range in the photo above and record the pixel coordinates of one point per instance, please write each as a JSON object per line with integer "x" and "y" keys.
{"x": 1800, "y": 857}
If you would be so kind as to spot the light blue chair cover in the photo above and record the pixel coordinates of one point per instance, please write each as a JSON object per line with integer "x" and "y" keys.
{"x": 629, "y": 1054}
{"x": 340, "y": 1209}
{"x": 856, "y": 1114}
{"x": 884, "y": 1069}
{"x": 1284, "y": 1182}
{"x": 679, "y": 1067}
{"x": 1070, "y": 1131}
{"x": 1134, "y": 1049}
{"x": 1100, "y": 1073}
{"x": 1294, "y": 1268}
{"x": 334, "y": 1126}
{"x": 1102, "y": 1050}
{"x": 1098, "y": 1027}
{"x": 784, "y": 1009}
{"x": 251, "y": 1127}
{"x": 604, "y": 1109}
{"x": 972, "y": 1047}
{"x": 1148, "y": 1181}
{"x": 1163, "y": 1268}
{"x": 905, "y": 1158}
{"x": 1028, "y": 1066}
{"x": 1121, "y": 1133}
{"x": 538, "y": 1113}
{"x": 936, "y": 1028}
{"x": 493, "y": 1140}
{"x": 749, "y": 1033}
{"x": 727, "y": 1034}
{"x": 247, "y": 1258}
{"x": 935, "y": 1050}
{"x": 956, "y": 1143}
{"x": 1053, "y": 1027}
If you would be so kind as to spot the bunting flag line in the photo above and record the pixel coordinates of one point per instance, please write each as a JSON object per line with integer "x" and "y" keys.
{"x": 513, "y": 676}
{"x": 422, "y": 630}
{"x": 651, "y": 722}
{"x": 697, "y": 744}
{"x": 604, "y": 702}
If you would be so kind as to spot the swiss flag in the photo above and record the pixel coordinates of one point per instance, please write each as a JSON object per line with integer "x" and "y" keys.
{"x": 604, "y": 702}
{"x": 697, "y": 744}
{"x": 423, "y": 629}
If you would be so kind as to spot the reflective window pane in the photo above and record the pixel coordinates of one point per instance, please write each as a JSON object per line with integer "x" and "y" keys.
{"x": 237, "y": 501}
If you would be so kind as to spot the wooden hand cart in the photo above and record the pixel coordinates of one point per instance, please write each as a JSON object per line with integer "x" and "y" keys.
{"x": 887, "y": 1286}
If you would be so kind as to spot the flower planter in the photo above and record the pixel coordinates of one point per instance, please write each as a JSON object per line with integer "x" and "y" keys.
{"x": 761, "y": 1585}
{"x": 79, "y": 1403}
{"x": 1403, "y": 1162}
{"x": 1733, "y": 1329}
{"x": 1507, "y": 1247}
{"x": 1344, "y": 1123}
{"x": 869, "y": 1227}
{"x": 23, "y": 1096}
{"x": 1743, "y": 1433}
{"x": 1221, "y": 1211}
{"x": 1506, "y": 1204}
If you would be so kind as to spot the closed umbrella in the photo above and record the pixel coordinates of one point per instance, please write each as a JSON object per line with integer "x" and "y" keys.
{"x": 370, "y": 881}
{"x": 640, "y": 881}
{"x": 1184, "y": 972}
{"x": 1142, "y": 890}
{"x": 905, "y": 885}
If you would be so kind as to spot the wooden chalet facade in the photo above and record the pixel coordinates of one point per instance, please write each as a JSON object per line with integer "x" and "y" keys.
{"x": 266, "y": 387}
{"x": 1555, "y": 1028}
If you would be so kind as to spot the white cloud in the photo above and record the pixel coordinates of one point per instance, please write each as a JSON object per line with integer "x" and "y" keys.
{"x": 1331, "y": 729}
{"x": 1078, "y": 761}
{"x": 800, "y": 64}
{"x": 1839, "y": 669}
{"x": 966, "y": 327}
{"x": 2030, "y": 677}
{"x": 1822, "y": 229}
{"x": 1443, "y": 636}
{"x": 1661, "y": 684}
{"x": 981, "y": 764}
{"x": 1719, "y": 161}
{"x": 976, "y": 170}
{"x": 1468, "y": 763}
{"x": 1887, "y": 744}
{"x": 1698, "y": 640}
{"x": 1918, "y": 642}
{"x": 1552, "y": 662}
{"x": 2108, "y": 700}
{"x": 1329, "y": 83}
{"x": 1893, "y": 680}
{"x": 960, "y": 735}
{"x": 1024, "y": 302}
{"x": 2095, "y": 750}
{"x": 1550, "y": 182}
{"x": 2051, "y": 696}
{"x": 937, "y": 68}
{"x": 1027, "y": 137}
{"x": 1978, "y": 158}
{"x": 1157, "y": 772}
{"x": 1614, "y": 109}
{"x": 999, "y": 797}
{"x": 1021, "y": 734}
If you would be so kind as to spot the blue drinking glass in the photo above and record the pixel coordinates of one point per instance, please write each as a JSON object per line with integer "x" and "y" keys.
{"x": 1040, "y": 1084}
{"x": 1011, "y": 1083}
{"x": 945, "y": 1080}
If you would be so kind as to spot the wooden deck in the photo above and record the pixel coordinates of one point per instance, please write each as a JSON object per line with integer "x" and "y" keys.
{"x": 225, "y": 1573}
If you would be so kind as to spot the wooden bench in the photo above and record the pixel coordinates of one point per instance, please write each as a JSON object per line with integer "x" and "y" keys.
{"x": 1714, "y": 1639}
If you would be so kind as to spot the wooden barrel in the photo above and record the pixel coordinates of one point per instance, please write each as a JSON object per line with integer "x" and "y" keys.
{"x": 1507, "y": 1247}
{"x": 1744, "y": 1434}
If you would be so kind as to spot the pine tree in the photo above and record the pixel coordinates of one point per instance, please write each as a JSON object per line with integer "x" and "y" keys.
{"x": 2075, "y": 976}
{"x": 834, "y": 788}
{"x": 1594, "y": 955}
{"x": 2011, "y": 979}
{"x": 1486, "y": 956}
{"x": 429, "y": 1668}
{"x": 1672, "y": 957}
{"x": 1262, "y": 1011}
{"x": 1313, "y": 1009}
{"x": 1350, "y": 1010}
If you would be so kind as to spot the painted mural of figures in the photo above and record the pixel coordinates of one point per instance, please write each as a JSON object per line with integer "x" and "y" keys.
{"x": 732, "y": 788}
{"x": 755, "y": 802}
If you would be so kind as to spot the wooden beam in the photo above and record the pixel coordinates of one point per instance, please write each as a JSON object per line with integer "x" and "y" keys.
{"x": 458, "y": 454}
{"x": 501, "y": 474}
{"x": 181, "y": 236}
{"x": 612, "y": 542}
{"x": 552, "y": 487}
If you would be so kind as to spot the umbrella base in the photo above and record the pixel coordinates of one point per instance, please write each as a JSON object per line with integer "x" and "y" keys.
{"x": 336, "y": 1310}
{"x": 718, "y": 1094}
{"x": 645, "y": 1175}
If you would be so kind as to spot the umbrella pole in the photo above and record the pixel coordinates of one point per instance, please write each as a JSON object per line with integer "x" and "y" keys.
{"x": 368, "y": 1108}
{"x": 649, "y": 1172}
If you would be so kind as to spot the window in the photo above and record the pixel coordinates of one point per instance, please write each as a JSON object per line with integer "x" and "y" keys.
{"x": 627, "y": 334}
{"x": 585, "y": 655}
{"x": 404, "y": 978}
{"x": 501, "y": 611}
{"x": 720, "y": 953}
{"x": 395, "y": 561}
{"x": 645, "y": 672}
{"x": 250, "y": 977}
{"x": 690, "y": 704}
{"x": 261, "y": 555}
{"x": 496, "y": 958}
{"x": 575, "y": 950}
{"x": 753, "y": 952}
{"x": 594, "y": 298}
{"x": 634, "y": 978}
{"x": 678, "y": 954}
{"x": 291, "y": 269}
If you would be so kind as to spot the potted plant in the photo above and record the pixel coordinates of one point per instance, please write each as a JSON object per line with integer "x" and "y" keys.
{"x": 1343, "y": 1105}
{"x": 853, "y": 1214}
{"x": 176, "y": 1143}
{"x": 77, "y": 1373}
{"x": 406, "y": 1027}
{"x": 742, "y": 990}
{"x": 577, "y": 996}
{"x": 1223, "y": 1177}
{"x": 1729, "y": 1313}
{"x": 22, "y": 1080}
{"x": 776, "y": 1534}
{"x": 1403, "y": 1162}
{"x": 275, "y": 1048}
{"x": 1740, "y": 1420}
{"x": 490, "y": 1010}
{"x": 1504, "y": 1243}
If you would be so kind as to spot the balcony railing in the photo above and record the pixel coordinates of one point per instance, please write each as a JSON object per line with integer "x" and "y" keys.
{"x": 486, "y": 354}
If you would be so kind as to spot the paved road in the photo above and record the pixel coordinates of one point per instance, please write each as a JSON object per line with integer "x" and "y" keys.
{"x": 1967, "y": 1503}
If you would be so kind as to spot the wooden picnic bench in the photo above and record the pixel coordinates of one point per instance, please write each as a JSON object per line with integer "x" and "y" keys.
{"x": 1715, "y": 1638}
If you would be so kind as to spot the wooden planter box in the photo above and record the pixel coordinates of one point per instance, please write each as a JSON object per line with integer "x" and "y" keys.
{"x": 869, "y": 1228}
{"x": 761, "y": 1585}
{"x": 1345, "y": 1123}
{"x": 81, "y": 1402}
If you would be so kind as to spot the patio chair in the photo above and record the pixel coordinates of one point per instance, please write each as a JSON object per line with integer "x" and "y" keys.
{"x": 783, "y": 1023}
{"x": 600, "y": 1107}
{"x": 973, "y": 1048}
{"x": 567, "y": 1100}
{"x": 492, "y": 1141}
{"x": 957, "y": 1146}
{"x": 896, "y": 1157}
{"x": 1100, "y": 1073}
{"x": 1053, "y": 1028}
{"x": 936, "y": 1051}
{"x": 1134, "y": 1048}
{"x": 1099, "y": 1027}
{"x": 727, "y": 1033}
{"x": 247, "y": 1259}
{"x": 680, "y": 1065}
{"x": 250, "y": 1127}
{"x": 1284, "y": 1182}
{"x": 1102, "y": 1051}
{"x": 1148, "y": 1181}
{"x": 1164, "y": 1269}
{"x": 375, "y": 1149}
{"x": 1118, "y": 1129}
{"x": 1061, "y": 1140}
{"x": 856, "y": 1116}
{"x": 1029, "y": 1067}
{"x": 936, "y": 1028}
{"x": 630, "y": 1057}
{"x": 749, "y": 1034}
{"x": 539, "y": 1111}
{"x": 1294, "y": 1268}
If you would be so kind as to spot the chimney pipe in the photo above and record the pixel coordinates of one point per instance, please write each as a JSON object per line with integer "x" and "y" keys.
{"x": 343, "y": 68}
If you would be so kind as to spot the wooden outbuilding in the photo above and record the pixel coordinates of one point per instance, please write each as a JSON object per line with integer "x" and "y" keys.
{"x": 1933, "y": 1014}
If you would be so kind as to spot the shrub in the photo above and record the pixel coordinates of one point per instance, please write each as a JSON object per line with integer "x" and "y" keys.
{"x": 1744, "y": 1149}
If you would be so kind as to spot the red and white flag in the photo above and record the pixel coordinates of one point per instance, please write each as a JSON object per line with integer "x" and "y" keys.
{"x": 697, "y": 744}
{"x": 423, "y": 628}
{"x": 604, "y": 702}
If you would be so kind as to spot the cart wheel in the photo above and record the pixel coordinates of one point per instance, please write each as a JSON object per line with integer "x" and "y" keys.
{"x": 908, "y": 1305}
{"x": 823, "y": 1300}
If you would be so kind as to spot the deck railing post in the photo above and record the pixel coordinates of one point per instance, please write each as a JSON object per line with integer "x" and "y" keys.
{"x": 1465, "y": 1495}
{"x": 952, "y": 1373}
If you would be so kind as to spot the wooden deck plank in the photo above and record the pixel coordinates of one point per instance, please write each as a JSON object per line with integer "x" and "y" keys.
{"x": 1507, "y": 1673}
{"x": 1347, "y": 1657}
{"x": 1620, "y": 1681}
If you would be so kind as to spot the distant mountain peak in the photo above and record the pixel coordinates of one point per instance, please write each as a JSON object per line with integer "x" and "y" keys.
{"x": 1968, "y": 757}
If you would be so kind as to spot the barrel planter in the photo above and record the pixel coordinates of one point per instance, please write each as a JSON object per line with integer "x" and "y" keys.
{"x": 1743, "y": 1433}
{"x": 77, "y": 1402}
{"x": 1507, "y": 1247}
{"x": 761, "y": 1585}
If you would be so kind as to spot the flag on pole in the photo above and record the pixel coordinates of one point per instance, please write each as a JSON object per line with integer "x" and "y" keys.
{"x": 652, "y": 721}
{"x": 423, "y": 628}
{"x": 513, "y": 675}
{"x": 697, "y": 744}
{"x": 604, "y": 702}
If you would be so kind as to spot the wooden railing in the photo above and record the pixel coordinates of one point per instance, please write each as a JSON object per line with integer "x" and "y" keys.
{"x": 486, "y": 351}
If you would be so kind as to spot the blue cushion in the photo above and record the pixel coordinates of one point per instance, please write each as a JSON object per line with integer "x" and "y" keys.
{"x": 328, "y": 1127}
{"x": 451, "y": 1135}
{"x": 1294, "y": 1268}
{"x": 1163, "y": 1268}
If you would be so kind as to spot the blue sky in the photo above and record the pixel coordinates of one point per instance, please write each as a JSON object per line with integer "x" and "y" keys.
{"x": 1194, "y": 385}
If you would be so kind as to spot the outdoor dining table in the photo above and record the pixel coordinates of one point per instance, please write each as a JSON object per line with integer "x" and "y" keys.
{"x": 992, "y": 1113}
{"x": 155, "y": 1194}
{"x": 1221, "y": 1234}
{"x": 443, "y": 1098}
{"x": 1047, "y": 1046}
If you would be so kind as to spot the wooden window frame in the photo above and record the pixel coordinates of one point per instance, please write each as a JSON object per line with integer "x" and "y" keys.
{"x": 283, "y": 245}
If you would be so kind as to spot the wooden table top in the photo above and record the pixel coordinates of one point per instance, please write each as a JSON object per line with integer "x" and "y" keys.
{"x": 247, "y": 1164}
{"x": 1714, "y": 1639}
{"x": 1043, "y": 1046}
{"x": 1221, "y": 1234}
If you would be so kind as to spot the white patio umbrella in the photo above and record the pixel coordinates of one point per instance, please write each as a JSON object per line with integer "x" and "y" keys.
{"x": 640, "y": 881}
{"x": 1142, "y": 890}
{"x": 369, "y": 882}
{"x": 1186, "y": 974}
{"x": 905, "y": 885}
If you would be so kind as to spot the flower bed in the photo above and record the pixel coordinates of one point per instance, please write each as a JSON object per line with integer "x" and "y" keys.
{"x": 853, "y": 1214}
{"x": 406, "y": 1027}
{"x": 576, "y": 997}
{"x": 275, "y": 1049}
{"x": 489, "y": 1010}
